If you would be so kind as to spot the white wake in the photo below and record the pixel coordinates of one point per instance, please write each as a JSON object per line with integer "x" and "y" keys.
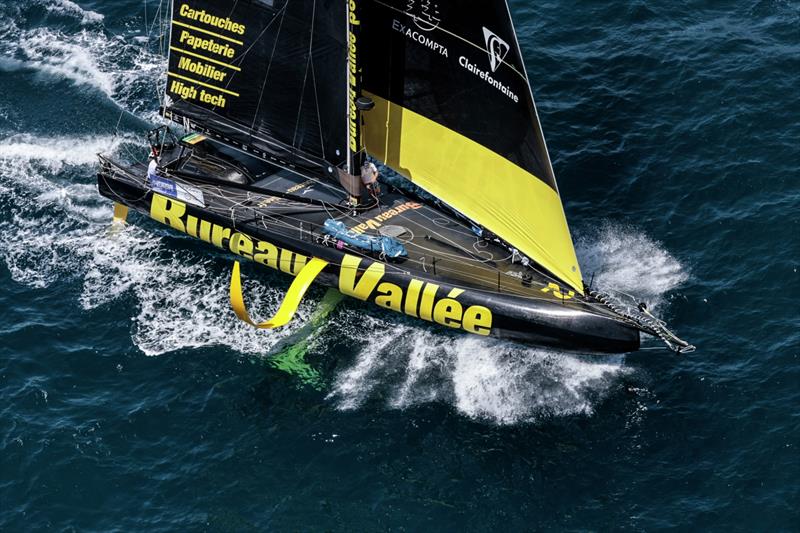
{"x": 497, "y": 381}
{"x": 178, "y": 298}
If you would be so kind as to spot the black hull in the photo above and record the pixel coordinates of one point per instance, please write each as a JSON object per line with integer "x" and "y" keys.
{"x": 534, "y": 314}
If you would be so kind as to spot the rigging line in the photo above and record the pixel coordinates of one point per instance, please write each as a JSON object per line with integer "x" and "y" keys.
{"x": 121, "y": 199}
{"x": 163, "y": 96}
{"x": 477, "y": 260}
{"x": 269, "y": 65}
{"x": 305, "y": 76}
{"x": 280, "y": 220}
{"x": 238, "y": 127}
{"x": 233, "y": 75}
{"x": 119, "y": 121}
{"x": 347, "y": 216}
{"x": 233, "y": 8}
{"x": 260, "y": 35}
{"x": 276, "y": 222}
{"x": 533, "y": 265}
{"x": 157, "y": 18}
{"x": 435, "y": 232}
{"x": 316, "y": 99}
{"x": 422, "y": 213}
{"x": 273, "y": 224}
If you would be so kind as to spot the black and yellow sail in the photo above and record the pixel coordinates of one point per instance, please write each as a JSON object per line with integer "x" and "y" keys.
{"x": 454, "y": 114}
{"x": 266, "y": 75}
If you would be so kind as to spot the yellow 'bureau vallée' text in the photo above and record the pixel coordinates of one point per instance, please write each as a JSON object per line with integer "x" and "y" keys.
{"x": 418, "y": 298}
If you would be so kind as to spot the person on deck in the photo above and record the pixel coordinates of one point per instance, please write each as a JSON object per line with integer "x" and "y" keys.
{"x": 369, "y": 177}
{"x": 153, "y": 166}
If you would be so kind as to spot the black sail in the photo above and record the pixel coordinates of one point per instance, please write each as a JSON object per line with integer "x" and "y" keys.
{"x": 459, "y": 65}
{"x": 454, "y": 114}
{"x": 268, "y": 76}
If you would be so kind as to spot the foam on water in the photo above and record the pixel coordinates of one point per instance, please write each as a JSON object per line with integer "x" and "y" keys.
{"x": 76, "y": 57}
{"x": 43, "y": 209}
{"x": 55, "y": 152}
{"x": 485, "y": 379}
{"x": 181, "y": 300}
{"x": 71, "y": 9}
{"x": 124, "y": 70}
{"x": 498, "y": 381}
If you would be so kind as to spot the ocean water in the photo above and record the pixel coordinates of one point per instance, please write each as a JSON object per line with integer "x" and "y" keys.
{"x": 132, "y": 399}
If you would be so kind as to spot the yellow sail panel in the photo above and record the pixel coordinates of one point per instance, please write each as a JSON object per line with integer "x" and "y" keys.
{"x": 477, "y": 182}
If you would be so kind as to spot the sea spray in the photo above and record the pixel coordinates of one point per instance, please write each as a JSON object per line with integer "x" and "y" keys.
{"x": 620, "y": 258}
{"x": 492, "y": 380}
{"x": 404, "y": 364}
{"x": 181, "y": 296}
{"x": 128, "y": 72}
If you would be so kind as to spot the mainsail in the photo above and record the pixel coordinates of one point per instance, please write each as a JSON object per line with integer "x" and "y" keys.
{"x": 455, "y": 115}
{"x": 268, "y": 76}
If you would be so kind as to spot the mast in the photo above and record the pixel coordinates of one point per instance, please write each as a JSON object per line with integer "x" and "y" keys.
{"x": 354, "y": 157}
{"x": 357, "y": 102}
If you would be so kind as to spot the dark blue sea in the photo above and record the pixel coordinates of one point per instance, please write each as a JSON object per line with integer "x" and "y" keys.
{"x": 131, "y": 399}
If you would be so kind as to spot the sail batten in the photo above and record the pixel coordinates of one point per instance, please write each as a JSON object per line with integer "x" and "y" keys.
{"x": 455, "y": 114}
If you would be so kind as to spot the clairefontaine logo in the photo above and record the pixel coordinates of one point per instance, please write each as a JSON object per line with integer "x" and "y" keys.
{"x": 496, "y": 47}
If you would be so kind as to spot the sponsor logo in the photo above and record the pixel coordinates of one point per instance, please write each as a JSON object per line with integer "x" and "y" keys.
{"x": 173, "y": 213}
{"x": 225, "y": 24}
{"x": 378, "y": 220}
{"x": 266, "y": 202}
{"x": 556, "y": 291}
{"x": 173, "y": 189}
{"x": 354, "y": 25}
{"x": 357, "y": 278}
{"x": 487, "y": 77}
{"x": 418, "y": 298}
{"x": 424, "y": 13}
{"x": 496, "y": 47}
{"x": 421, "y": 38}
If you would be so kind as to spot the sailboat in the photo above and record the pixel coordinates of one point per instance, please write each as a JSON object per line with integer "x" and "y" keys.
{"x": 291, "y": 108}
